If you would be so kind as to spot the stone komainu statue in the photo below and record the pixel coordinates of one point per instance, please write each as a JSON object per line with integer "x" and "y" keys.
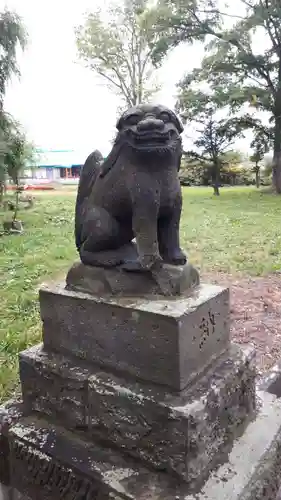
{"x": 134, "y": 194}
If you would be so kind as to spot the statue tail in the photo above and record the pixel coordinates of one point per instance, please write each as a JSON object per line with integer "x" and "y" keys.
{"x": 89, "y": 173}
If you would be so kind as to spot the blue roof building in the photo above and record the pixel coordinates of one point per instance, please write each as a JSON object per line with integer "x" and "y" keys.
{"x": 54, "y": 164}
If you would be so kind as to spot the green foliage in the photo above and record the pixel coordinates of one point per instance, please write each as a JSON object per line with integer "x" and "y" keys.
{"x": 175, "y": 21}
{"x": 261, "y": 145}
{"x": 232, "y": 170}
{"x": 117, "y": 48}
{"x": 15, "y": 149}
{"x": 6, "y": 126}
{"x": 215, "y": 134}
{"x": 194, "y": 172}
{"x": 12, "y": 34}
{"x": 232, "y": 65}
{"x": 15, "y": 152}
{"x": 19, "y": 152}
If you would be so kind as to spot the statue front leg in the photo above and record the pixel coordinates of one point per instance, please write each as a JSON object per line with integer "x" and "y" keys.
{"x": 145, "y": 226}
{"x": 169, "y": 236}
{"x": 146, "y": 233}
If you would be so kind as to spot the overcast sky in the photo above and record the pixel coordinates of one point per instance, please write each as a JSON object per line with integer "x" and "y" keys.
{"x": 60, "y": 103}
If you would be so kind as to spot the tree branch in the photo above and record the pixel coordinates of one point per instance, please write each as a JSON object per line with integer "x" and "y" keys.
{"x": 249, "y": 55}
{"x": 267, "y": 26}
{"x": 216, "y": 11}
{"x": 248, "y": 4}
{"x": 123, "y": 84}
{"x": 196, "y": 156}
{"x": 275, "y": 42}
{"x": 104, "y": 75}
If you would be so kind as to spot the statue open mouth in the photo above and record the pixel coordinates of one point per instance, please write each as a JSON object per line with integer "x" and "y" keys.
{"x": 150, "y": 141}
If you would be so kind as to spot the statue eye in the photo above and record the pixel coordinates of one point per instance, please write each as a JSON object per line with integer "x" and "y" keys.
{"x": 132, "y": 120}
{"x": 165, "y": 117}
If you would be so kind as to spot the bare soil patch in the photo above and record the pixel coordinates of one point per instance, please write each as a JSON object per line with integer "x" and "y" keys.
{"x": 255, "y": 311}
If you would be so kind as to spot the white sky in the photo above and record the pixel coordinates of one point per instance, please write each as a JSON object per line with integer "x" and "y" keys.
{"x": 60, "y": 103}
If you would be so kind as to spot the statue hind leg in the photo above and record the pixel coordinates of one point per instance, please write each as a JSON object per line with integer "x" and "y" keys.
{"x": 105, "y": 242}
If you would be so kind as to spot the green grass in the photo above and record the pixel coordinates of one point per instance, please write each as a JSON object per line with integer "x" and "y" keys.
{"x": 46, "y": 248}
{"x": 237, "y": 232}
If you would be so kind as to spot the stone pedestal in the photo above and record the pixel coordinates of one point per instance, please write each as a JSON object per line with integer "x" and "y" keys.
{"x": 164, "y": 341}
{"x": 136, "y": 398}
{"x": 173, "y": 280}
{"x": 184, "y": 434}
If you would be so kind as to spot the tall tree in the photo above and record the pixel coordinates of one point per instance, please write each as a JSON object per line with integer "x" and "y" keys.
{"x": 5, "y": 129}
{"x": 19, "y": 152}
{"x": 260, "y": 145}
{"x": 233, "y": 63}
{"x": 117, "y": 47}
{"x": 12, "y": 35}
{"x": 214, "y": 135}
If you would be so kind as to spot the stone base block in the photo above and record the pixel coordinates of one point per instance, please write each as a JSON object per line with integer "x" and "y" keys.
{"x": 165, "y": 341}
{"x": 170, "y": 280}
{"x": 51, "y": 464}
{"x": 7, "y": 493}
{"x": 10, "y": 413}
{"x": 253, "y": 471}
{"x": 185, "y": 434}
{"x": 271, "y": 380}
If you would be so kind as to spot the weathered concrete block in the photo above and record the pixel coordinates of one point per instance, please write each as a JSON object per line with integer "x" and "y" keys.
{"x": 270, "y": 381}
{"x": 166, "y": 341}
{"x": 184, "y": 434}
{"x": 253, "y": 471}
{"x": 54, "y": 386}
{"x": 10, "y": 413}
{"x": 51, "y": 464}
{"x": 5, "y": 492}
{"x": 8, "y": 493}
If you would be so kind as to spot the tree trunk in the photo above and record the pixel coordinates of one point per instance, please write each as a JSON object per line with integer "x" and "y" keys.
{"x": 216, "y": 178}
{"x": 216, "y": 190}
{"x": 276, "y": 172}
{"x": 2, "y": 191}
{"x": 276, "y": 167}
{"x": 258, "y": 177}
{"x": 17, "y": 203}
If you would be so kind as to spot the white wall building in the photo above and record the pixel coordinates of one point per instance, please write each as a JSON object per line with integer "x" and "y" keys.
{"x": 53, "y": 165}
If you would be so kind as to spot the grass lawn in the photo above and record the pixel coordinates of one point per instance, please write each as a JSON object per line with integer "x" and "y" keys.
{"x": 237, "y": 232}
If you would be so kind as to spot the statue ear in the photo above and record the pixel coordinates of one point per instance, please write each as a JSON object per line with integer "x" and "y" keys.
{"x": 110, "y": 161}
{"x": 178, "y": 124}
{"x": 119, "y": 123}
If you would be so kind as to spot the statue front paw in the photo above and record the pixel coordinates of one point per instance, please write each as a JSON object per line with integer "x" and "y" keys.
{"x": 176, "y": 257}
{"x": 146, "y": 263}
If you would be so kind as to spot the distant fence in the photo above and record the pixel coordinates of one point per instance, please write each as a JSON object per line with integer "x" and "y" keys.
{"x": 73, "y": 181}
